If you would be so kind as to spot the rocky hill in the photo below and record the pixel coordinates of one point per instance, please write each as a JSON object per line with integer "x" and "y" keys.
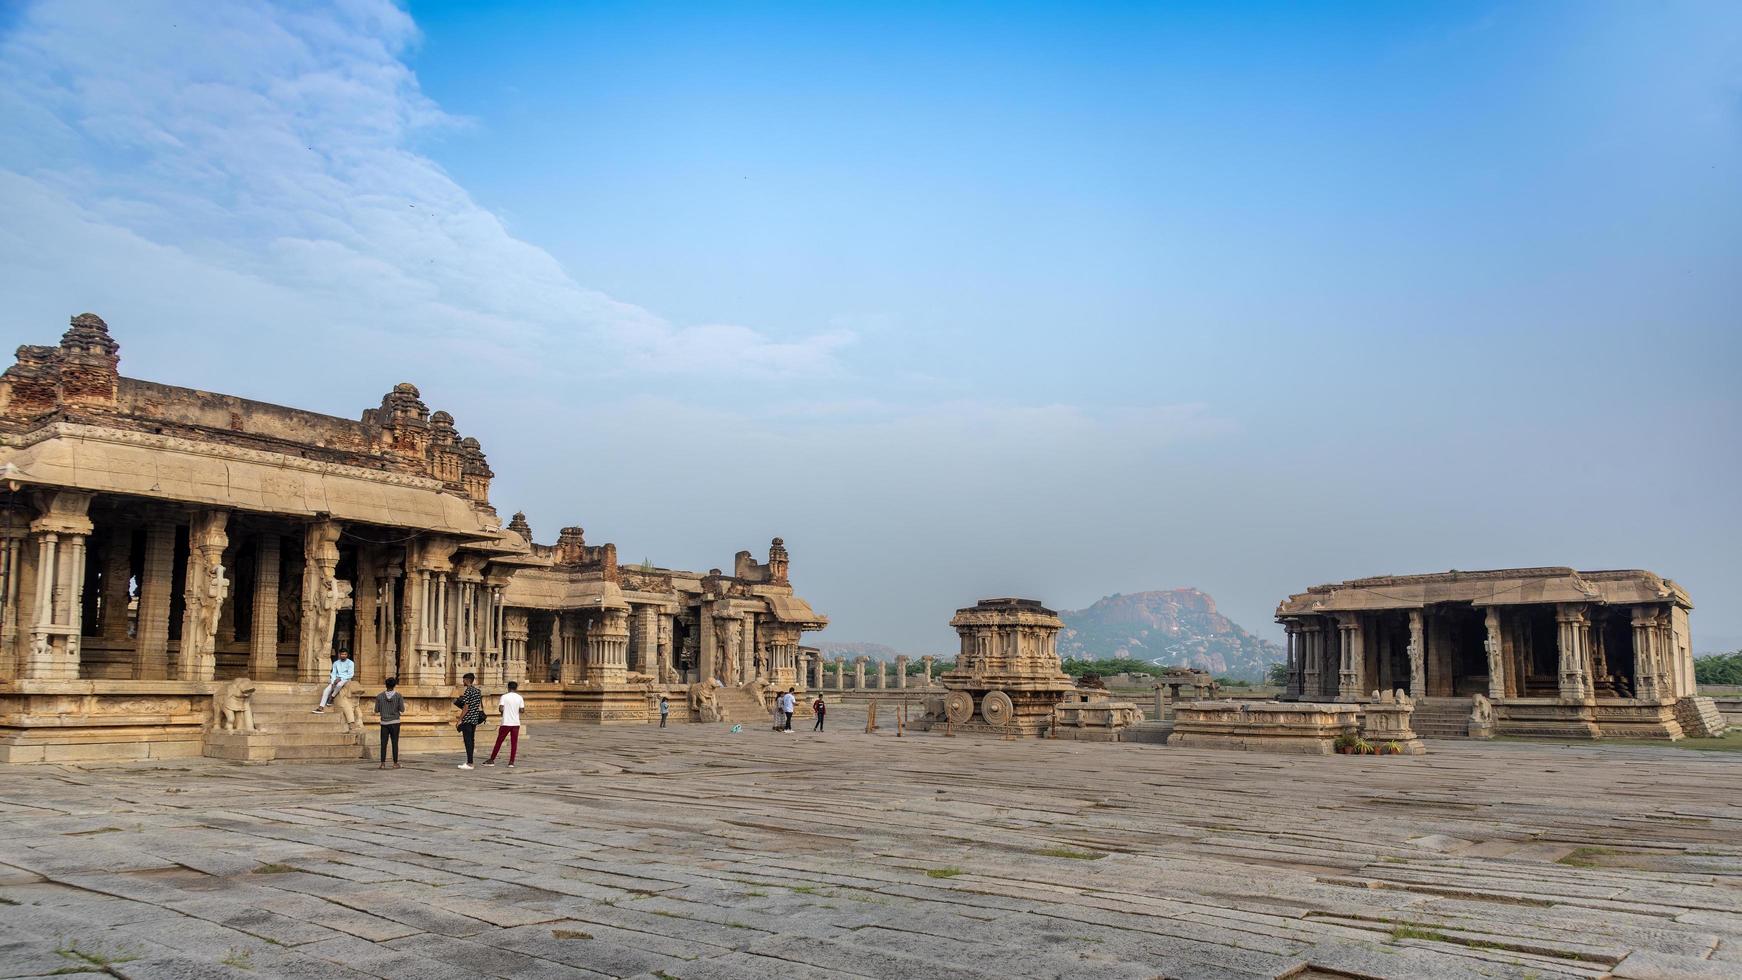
{"x": 1180, "y": 626}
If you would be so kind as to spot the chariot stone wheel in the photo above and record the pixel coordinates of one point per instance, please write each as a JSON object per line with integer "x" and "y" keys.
{"x": 959, "y": 707}
{"x": 996, "y": 708}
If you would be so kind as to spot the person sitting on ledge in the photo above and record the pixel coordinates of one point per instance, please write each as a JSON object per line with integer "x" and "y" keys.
{"x": 343, "y": 671}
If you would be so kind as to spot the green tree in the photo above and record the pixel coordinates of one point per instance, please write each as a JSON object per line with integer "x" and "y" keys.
{"x": 1723, "y": 669}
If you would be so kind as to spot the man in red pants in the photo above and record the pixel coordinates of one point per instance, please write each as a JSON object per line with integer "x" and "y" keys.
{"x": 511, "y": 705}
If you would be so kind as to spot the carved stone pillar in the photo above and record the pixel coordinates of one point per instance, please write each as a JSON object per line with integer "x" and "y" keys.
{"x": 1311, "y": 683}
{"x": 1645, "y": 668}
{"x": 608, "y": 647}
{"x": 859, "y": 673}
{"x": 14, "y": 533}
{"x": 901, "y": 672}
{"x": 569, "y": 633}
{"x": 1575, "y": 683}
{"x": 1352, "y": 659}
{"x": 57, "y": 626}
{"x": 157, "y": 571}
{"x": 387, "y": 614}
{"x": 1496, "y": 652}
{"x": 1665, "y": 655}
{"x": 515, "y": 634}
{"x": 365, "y": 633}
{"x": 927, "y": 661}
{"x": 664, "y": 660}
{"x": 320, "y": 601}
{"x": 840, "y": 673}
{"x": 208, "y": 585}
{"x": 263, "y": 633}
{"x": 1417, "y": 656}
{"x": 647, "y": 642}
{"x": 1294, "y": 653}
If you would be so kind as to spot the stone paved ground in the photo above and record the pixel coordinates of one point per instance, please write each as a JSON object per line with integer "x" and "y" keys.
{"x": 699, "y": 854}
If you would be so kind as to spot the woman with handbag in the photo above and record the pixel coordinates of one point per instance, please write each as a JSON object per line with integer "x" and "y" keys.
{"x": 471, "y": 715}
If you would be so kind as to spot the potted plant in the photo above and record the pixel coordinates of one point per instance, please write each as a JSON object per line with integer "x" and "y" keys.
{"x": 1345, "y": 743}
{"x": 1393, "y": 748}
{"x": 1364, "y": 747}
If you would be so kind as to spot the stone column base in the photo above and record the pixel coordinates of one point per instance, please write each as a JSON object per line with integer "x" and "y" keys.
{"x": 248, "y": 748}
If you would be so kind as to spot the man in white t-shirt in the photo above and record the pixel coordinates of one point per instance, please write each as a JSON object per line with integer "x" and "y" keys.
{"x": 511, "y": 705}
{"x": 788, "y": 704}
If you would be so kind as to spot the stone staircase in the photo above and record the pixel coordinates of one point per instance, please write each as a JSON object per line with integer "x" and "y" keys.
{"x": 284, "y": 712}
{"x": 1699, "y": 717}
{"x": 740, "y": 707}
{"x": 1442, "y": 717}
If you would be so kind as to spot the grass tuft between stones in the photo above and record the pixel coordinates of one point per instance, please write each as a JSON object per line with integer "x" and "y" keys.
{"x": 570, "y": 934}
{"x": 942, "y": 872}
{"x": 273, "y": 869}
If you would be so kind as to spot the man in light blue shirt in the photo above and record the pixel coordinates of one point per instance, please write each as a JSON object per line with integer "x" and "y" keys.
{"x": 343, "y": 671}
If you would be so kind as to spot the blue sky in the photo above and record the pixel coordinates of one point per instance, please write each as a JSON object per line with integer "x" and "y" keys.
{"x": 961, "y": 300}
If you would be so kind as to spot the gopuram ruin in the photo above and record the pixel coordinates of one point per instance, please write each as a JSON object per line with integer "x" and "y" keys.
{"x": 1527, "y": 651}
{"x": 157, "y": 542}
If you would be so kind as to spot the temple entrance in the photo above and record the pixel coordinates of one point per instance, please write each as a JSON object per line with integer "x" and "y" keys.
{"x": 1614, "y": 658}
{"x": 1467, "y": 631}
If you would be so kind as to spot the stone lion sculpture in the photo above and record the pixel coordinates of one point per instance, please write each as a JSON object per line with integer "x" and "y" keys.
{"x": 235, "y": 706}
{"x": 704, "y": 703}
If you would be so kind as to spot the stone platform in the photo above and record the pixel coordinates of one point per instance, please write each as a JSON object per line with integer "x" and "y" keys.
{"x": 692, "y": 853}
{"x": 1263, "y": 726}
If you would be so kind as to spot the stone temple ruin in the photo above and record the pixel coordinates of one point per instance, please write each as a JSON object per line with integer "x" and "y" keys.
{"x": 157, "y": 542}
{"x": 1521, "y": 651}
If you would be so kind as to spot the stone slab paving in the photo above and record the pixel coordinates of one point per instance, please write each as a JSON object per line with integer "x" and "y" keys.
{"x": 696, "y": 853}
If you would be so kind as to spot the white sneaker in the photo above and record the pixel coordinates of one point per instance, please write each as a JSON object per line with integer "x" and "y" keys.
{"x": 320, "y": 711}
{"x": 465, "y": 765}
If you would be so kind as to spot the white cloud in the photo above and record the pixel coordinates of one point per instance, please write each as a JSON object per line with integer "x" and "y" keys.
{"x": 278, "y": 146}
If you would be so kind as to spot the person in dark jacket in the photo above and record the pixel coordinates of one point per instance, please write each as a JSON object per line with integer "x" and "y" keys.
{"x": 820, "y": 708}
{"x": 389, "y": 704}
{"x": 471, "y": 705}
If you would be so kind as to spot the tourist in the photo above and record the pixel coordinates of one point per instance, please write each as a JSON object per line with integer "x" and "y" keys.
{"x": 389, "y": 704}
{"x": 342, "y": 672}
{"x": 664, "y": 709}
{"x": 556, "y": 670}
{"x": 788, "y": 704}
{"x": 471, "y": 705}
{"x": 820, "y": 708}
{"x": 511, "y": 705}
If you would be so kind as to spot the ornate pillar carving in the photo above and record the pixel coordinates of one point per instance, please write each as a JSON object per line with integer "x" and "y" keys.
{"x": 647, "y": 642}
{"x": 608, "y": 647}
{"x": 157, "y": 571}
{"x": 515, "y": 634}
{"x": 1352, "y": 659}
{"x": 901, "y": 672}
{"x": 840, "y": 673}
{"x": 14, "y": 531}
{"x": 320, "y": 600}
{"x": 365, "y": 629}
{"x": 666, "y": 671}
{"x": 57, "y": 627}
{"x": 208, "y": 585}
{"x": 263, "y": 633}
{"x": 1575, "y": 681}
{"x": 859, "y": 673}
{"x": 1496, "y": 652}
{"x": 1646, "y": 678}
{"x": 1417, "y": 656}
{"x": 1312, "y": 682}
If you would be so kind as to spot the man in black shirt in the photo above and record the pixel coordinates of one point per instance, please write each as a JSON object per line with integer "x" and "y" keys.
{"x": 471, "y": 705}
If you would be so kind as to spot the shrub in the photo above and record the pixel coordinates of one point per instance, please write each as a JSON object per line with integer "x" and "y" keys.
{"x": 1719, "y": 668}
